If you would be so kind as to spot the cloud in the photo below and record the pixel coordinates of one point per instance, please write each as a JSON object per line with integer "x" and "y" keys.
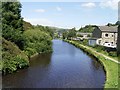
{"x": 59, "y": 8}
{"x": 40, "y": 10}
{"x": 112, "y": 4}
{"x": 88, "y": 5}
{"x": 40, "y": 21}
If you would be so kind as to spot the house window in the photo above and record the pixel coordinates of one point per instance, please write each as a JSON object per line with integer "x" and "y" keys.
{"x": 112, "y": 35}
{"x": 106, "y": 35}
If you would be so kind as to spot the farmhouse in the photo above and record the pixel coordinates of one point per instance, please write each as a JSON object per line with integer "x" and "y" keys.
{"x": 105, "y": 36}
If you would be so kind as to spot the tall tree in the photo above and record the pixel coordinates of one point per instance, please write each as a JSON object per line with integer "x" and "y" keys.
{"x": 12, "y": 22}
{"x": 72, "y": 33}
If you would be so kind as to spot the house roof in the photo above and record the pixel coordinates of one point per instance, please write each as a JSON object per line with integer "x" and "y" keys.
{"x": 108, "y": 28}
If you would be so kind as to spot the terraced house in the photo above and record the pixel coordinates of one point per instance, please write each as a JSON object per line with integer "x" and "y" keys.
{"x": 106, "y": 36}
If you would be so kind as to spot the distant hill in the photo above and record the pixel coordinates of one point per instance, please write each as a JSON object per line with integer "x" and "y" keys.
{"x": 115, "y": 24}
{"x": 87, "y": 29}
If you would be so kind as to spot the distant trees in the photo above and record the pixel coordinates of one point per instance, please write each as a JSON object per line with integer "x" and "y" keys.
{"x": 117, "y": 23}
{"x": 72, "y": 33}
{"x": 12, "y": 23}
{"x": 69, "y": 34}
{"x": 87, "y": 29}
{"x": 65, "y": 34}
{"x": 110, "y": 24}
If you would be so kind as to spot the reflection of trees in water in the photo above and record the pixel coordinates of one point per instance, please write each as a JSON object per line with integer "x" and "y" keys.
{"x": 41, "y": 60}
{"x": 96, "y": 63}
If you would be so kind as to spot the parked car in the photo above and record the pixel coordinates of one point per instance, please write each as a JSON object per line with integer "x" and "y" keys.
{"x": 109, "y": 45}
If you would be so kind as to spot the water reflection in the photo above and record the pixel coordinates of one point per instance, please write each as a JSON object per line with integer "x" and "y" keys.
{"x": 41, "y": 60}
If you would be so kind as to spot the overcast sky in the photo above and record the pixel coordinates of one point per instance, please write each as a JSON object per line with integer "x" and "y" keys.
{"x": 70, "y": 14}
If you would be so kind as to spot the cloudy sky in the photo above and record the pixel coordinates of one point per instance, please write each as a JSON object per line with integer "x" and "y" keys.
{"x": 70, "y": 14}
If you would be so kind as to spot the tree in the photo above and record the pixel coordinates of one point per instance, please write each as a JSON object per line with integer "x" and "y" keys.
{"x": 12, "y": 23}
{"x": 65, "y": 34}
{"x": 72, "y": 33}
{"x": 117, "y": 23}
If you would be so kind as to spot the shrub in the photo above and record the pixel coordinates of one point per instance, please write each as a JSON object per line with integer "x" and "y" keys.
{"x": 37, "y": 41}
{"x": 12, "y": 57}
{"x": 113, "y": 54}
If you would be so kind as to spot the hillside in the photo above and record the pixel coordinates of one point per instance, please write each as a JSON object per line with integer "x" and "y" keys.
{"x": 87, "y": 29}
{"x": 12, "y": 57}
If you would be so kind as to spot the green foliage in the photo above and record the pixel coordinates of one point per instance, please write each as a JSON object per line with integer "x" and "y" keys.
{"x": 113, "y": 54}
{"x": 117, "y": 23}
{"x": 46, "y": 29}
{"x": 87, "y": 29}
{"x": 78, "y": 35}
{"x": 99, "y": 48}
{"x": 72, "y": 33}
{"x": 65, "y": 34}
{"x": 12, "y": 57}
{"x": 37, "y": 41}
{"x": 12, "y": 23}
{"x": 27, "y": 25}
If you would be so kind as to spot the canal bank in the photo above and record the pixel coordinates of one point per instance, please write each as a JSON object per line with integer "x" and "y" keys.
{"x": 66, "y": 67}
{"x": 110, "y": 67}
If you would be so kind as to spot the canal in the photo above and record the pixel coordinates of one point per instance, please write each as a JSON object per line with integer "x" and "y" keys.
{"x": 66, "y": 67}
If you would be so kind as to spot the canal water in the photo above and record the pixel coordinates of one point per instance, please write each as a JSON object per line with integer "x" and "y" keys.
{"x": 66, "y": 67}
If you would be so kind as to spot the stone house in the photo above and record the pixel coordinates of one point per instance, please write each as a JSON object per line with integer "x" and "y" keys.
{"x": 106, "y": 35}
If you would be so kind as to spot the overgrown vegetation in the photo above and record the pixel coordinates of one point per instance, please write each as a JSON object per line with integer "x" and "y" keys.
{"x": 20, "y": 39}
{"x": 37, "y": 41}
{"x": 12, "y": 23}
{"x": 12, "y": 57}
{"x": 27, "y": 25}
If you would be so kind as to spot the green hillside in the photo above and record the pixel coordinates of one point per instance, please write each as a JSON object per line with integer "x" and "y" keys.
{"x": 12, "y": 57}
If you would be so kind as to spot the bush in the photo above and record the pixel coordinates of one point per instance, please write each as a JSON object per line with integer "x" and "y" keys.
{"x": 12, "y": 57}
{"x": 37, "y": 41}
{"x": 113, "y": 54}
{"x": 13, "y": 63}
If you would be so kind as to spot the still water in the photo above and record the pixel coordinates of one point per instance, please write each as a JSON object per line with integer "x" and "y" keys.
{"x": 66, "y": 67}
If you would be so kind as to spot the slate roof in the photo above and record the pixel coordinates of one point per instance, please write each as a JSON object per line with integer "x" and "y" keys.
{"x": 108, "y": 28}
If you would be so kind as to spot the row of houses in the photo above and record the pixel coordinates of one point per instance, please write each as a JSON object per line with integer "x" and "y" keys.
{"x": 103, "y": 35}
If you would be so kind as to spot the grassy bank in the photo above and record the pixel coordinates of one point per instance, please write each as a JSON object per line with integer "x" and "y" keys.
{"x": 110, "y": 67}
